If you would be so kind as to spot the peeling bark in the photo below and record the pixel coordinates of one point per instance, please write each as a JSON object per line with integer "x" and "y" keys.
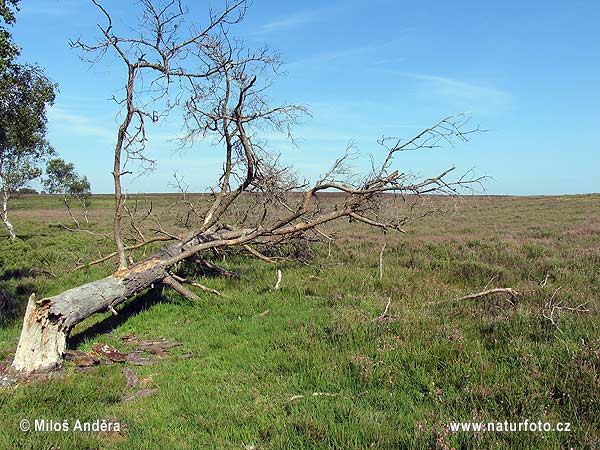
{"x": 48, "y": 321}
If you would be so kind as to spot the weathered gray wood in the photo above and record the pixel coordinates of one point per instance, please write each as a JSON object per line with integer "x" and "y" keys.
{"x": 48, "y": 321}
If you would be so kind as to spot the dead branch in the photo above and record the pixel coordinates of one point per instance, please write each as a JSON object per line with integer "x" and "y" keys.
{"x": 213, "y": 267}
{"x": 195, "y": 284}
{"x": 131, "y": 247}
{"x": 553, "y": 307}
{"x": 259, "y": 255}
{"x": 179, "y": 288}
{"x": 511, "y": 292}
{"x": 159, "y": 49}
{"x": 82, "y": 230}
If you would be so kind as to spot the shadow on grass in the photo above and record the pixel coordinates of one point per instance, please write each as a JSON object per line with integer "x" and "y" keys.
{"x": 13, "y": 301}
{"x": 15, "y": 274}
{"x": 131, "y": 308}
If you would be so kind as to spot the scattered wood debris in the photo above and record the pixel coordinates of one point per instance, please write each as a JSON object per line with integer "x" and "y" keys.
{"x": 137, "y": 359}
{"x": 159, "y": 347}
{"x": 129, "y": 338}
{"x": 130, "y": 377}
{"x": 139, "y": 394}
{"x": 110, "y": 353}
{"x": 133, "y": 382}
{"x": 102, "y": 354}
{"x": 83, "y": 359}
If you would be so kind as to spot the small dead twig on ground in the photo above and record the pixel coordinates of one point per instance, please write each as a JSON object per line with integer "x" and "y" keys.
{"x": 553, "y": 307}
{"x": 385, "y": 315}
{"x": 279, "y": 278}
{"x": 381, "y": 262}
{"x": 490, "y": 282}
{"x": 543, "y": 283}
{"x": 510, "y": 291}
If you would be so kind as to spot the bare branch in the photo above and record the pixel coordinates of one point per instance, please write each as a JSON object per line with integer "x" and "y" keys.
{"x": 179, "y": 288}
{"x": 511, "y": 292}
{"x": 195, "y": 284}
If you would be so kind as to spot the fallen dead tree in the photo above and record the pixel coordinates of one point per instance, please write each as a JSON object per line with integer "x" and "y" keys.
{"x": 257, "y": 201}
{"x": 48, "y": 321}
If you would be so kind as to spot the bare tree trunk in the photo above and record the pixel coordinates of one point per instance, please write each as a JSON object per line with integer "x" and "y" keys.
{"x": 9, "y": 226}
{"x": 83, "y": 201}
{"x": 121, "y": 137}
{"x": 85, "y": 212}
{"x": 70, "y": 212}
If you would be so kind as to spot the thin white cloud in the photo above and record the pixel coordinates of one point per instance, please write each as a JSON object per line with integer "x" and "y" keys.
{"x": 389, "y": 61}
{"x": 66, "y": 120}
{"x": 299, "y": 18}
{"x": 376, "y": 54}
{"x": 290, "y": 21}
{"x": 451, "y": 87}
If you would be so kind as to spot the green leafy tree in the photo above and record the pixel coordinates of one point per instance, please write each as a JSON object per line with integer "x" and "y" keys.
{"x": 61, "y": 178}
{"x": 8, "y": 50}
{"x": 25, "y": 93}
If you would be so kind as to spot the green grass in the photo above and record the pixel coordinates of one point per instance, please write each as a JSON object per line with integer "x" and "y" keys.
{"x": 389, "y": 384}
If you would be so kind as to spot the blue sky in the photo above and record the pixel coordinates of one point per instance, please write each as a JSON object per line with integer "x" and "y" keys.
{"x": 527, "y": 71}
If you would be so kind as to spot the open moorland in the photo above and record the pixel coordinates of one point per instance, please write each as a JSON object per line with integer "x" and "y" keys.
{"x": 341, "y": 355}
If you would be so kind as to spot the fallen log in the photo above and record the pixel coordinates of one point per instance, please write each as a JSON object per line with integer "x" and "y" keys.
{"x": 48, "y": 321}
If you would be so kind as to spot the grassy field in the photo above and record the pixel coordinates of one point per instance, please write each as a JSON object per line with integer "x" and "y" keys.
{"x": 258, "y": 356}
